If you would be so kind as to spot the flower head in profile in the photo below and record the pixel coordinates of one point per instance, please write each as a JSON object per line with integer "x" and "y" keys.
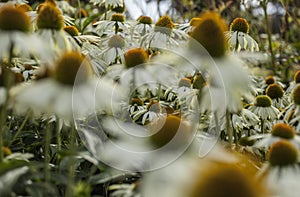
{"x": 50, "y": 17}
{"x": 163, "y": 34}
{"x": 282, "y": 154}
{"x": 113, "y": 49}
{"x": 210, "y": 34}
{"x": 24, "y": 7}
{"x": 164, "y": 25}
{"x": 72, "y": 30}
{"x": 15, "y": 37}
{"x": 135, "y": 57}
{"x": 116, "y": 24}
{"x": 263, "y": 108}
{"x": 168, "y": 129}
{"x": 238, "y": 37}
{"x": 70, "y": 63}
{"x": 282, "y": 172}
{"x": 72, "y": 90}
{"x": 227, "y": 180}
{"x": 144, "y": 25}
{"x": 50, "y": 24}
{"x": 278, "y": 132}
{"x": 108, "y": 3}
{"x": 119, "y": 8}
{"x": 13, "y": 19}
{"x": 276, "y": 93}
{"x": 297, "y": 77}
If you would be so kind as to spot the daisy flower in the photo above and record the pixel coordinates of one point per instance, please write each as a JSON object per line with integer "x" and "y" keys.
{"x": 212, "y": 176}
{"x": 163, "y": 34}
{"x": 148, "y": 114}
{"x": 72, "y": 91}
{"x": 143, "y": 26}
{"x": 116, "y": 23}
{"x": 244, "y": 120}
{"x": 238, "y": 37}
{"x": 276, "y": 93}
{"x": 282, "y": 171}
{"x": 219, "y": 66}
{"x": 263, "y": 108}
{"x": 278, "y": 132}
{"x": 15, "y": 37}
{"x": 113, "y": 49}
{"x": 292, "y": 114}
{"x": 294, "y": 83}
{"x": 108, "y": 3}
{"x": 50, "y": 25}
{"x": 138, "y": 75}
{"x": 77, "y": 39}
{"x": 188, "y": 27}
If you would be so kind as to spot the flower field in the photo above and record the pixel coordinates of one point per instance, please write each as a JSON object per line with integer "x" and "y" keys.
{"x": 198, "y": 100}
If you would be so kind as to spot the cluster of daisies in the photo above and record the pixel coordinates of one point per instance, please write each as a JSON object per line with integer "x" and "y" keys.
{"x": 161, "y": 89}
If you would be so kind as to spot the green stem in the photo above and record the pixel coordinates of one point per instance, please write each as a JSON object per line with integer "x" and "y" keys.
{"x": 158, "y": 92}
{"x": 71, "y": 172}
{"x": 262, "y": 124}
{"x": 58, "y": 137}
{"x": 20, "y": 129}
{"x": 229, "y": 129}
{"x": 116, "y": 27}
{"x": 269, "y": 35}
{"x": 79, "y": 6}
{"x": 3, "y": 109}
{"x": 237, "y": 42}
{"x": 47, "y": 152}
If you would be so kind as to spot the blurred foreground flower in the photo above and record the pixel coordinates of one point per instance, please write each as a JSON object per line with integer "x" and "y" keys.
{"x": 72, "y": 91}
{"x": 282, "y": 171}
{"x": 15, "y": 35}
{"x": 219, "y": 174}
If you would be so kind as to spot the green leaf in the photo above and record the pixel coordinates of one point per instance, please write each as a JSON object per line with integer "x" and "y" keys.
{"x": 88, "y": 20}
{"x": 9, "y": 179}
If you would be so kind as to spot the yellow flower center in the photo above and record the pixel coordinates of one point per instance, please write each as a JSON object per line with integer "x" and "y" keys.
{"x": 118, "y": 18}
{"x": 119, "y": 9}
{"x": 210, "y": 34}
{"x": 283, "y": 130}
{"x": 24, "y": 7}
{"x": 72, "y": 30}
{"x": 72, "y": 66}
{"x": 167, "y": 131}
{"x": 137, "y": 101}
{"x": 116, "y": 41}
{"x": 154, "y": 106}
{"x": 164, "y": 25}
{"x": 224, "y": 180}
{"x": 135, "y": 57}
{"x": 185, "y": 82}
{"x": 195, "y": 21}
{"x": 296, "y": 95}
{"x": 13, "y": 19}
{"x": 283, "y": 153}
{"x": 198, "y": 81}
{"x": 239, "y": 24}
{"x": 263, "y": 101}
{"x": 269, "y": 80}
{"x": 145, "y": 20}
{"x": 50, "y": 17}
{"x": 274, "y": 91}
{"x": 297, "y": 77}
{"x": 81, "y": 13}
